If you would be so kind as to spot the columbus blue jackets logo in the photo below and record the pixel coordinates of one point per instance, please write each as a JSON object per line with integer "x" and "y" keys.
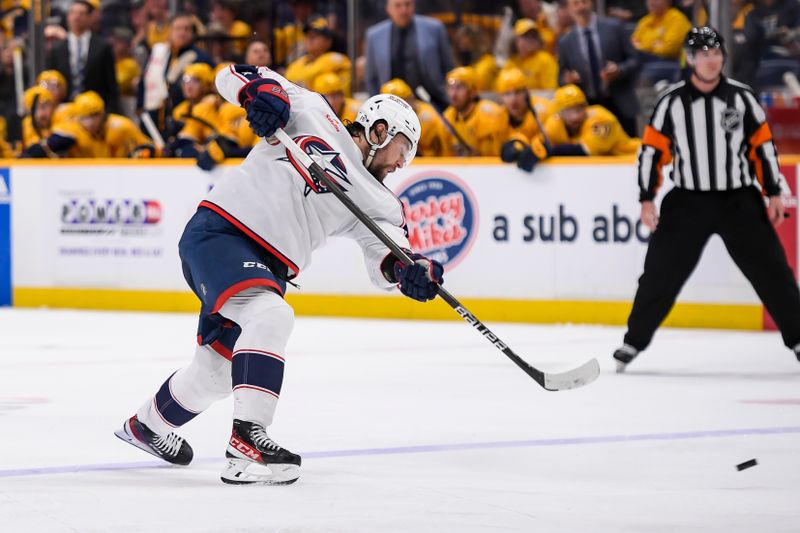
{"x": 441, "y": 216}
{"x": 326, "y": 157}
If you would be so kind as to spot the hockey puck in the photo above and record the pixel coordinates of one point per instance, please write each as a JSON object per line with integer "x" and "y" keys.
{"x": 747, "y": 464}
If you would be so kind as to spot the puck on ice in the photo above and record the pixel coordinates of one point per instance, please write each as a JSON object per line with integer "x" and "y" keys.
{"x": 746, "y": 464}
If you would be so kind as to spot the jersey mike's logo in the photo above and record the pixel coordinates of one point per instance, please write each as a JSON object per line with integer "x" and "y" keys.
{"x": 325, "y": 156}
{"x": 441, "y": 215}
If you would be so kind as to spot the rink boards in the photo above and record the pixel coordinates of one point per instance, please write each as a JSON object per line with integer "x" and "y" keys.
{"x": 560, "y": 245}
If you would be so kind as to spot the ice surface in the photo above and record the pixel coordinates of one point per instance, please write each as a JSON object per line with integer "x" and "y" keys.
{"x": 407, "y": 426}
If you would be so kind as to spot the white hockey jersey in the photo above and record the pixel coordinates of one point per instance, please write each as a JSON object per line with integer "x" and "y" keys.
{"x": 275, "y": 201}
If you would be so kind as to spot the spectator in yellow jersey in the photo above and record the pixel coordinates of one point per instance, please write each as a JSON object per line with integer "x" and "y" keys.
{"x": 477, "y": 124}
{"x": 433, "y": 136}
{"x": 520, "y": 106}
{"x": 574, "y": 129}
{"x": 318, "y": 58}
{"x": 473, "y": 48}
{"x": 195, "y": 118}
{"x": 94, "y": 133}
{"x": 6, "y": 152}
{"x": 331, "y": 86}
{"x": 533, "y": 10}
{"x": 659, "y": 34}
{"x": 53, "y": 81}
{"x": 157, "y": 28}
{"x": 39, "y": 107}
{"x": 538, "y": 65}
{"x": 257, "y": 53}
{"x": 126, "y": 68}
{"x": 223, "y": 12}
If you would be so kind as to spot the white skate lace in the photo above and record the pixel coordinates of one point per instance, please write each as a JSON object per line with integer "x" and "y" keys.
{"x": 169, "y": 445}
{"x": 261, "y": 439}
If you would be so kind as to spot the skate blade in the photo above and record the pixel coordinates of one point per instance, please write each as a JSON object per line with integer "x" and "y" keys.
{"x": 245, "y": 472}
{"x": 621, "y": 367}
{"x": 126, "y": 435}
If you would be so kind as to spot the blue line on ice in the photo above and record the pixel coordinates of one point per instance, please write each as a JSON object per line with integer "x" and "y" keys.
{"x": 425, "y": 448}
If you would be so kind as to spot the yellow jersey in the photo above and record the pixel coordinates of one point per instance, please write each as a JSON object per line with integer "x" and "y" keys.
{"x": 29, "y": 134}
{"x": 288, "y": 43}
{"x": 662, "y": 36}
{"x": 485, "y": 72}
{"x": 482, "y": 129}
{"x": 199, "y": 122}
{"x": 540, "y": 69}
{"x": 118, "y": 138}
{"x": 127, "y": 71}
{"x": 433, "y": 136}
{"x": 600, "y": 134}
{"x": 528, "y": 129}
{"x": 305, "y": 70}
{"x": 241, "y": 32}
{"x": 63, "y": 113}
{"x": 157, "y": 33}
{"x": 349, "y": 110}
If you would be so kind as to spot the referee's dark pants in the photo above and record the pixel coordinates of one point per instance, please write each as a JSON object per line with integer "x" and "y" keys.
{"x": 688, "y": 220}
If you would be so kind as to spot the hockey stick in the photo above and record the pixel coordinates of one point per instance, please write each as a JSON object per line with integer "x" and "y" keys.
{"x": 425, "y": 96}
{"x": 571, "y": 379}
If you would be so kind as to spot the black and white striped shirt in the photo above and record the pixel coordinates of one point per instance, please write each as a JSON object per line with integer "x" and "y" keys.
{"x": 714, "y": 141}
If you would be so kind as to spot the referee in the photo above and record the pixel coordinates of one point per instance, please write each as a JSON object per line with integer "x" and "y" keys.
{"x": 714, "y": 133}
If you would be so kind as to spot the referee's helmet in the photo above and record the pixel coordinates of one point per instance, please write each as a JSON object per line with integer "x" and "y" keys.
{"x": 702, "y": 38}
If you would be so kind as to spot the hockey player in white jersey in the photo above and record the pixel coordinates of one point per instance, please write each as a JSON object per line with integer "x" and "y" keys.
{"x": 254, "y": 232}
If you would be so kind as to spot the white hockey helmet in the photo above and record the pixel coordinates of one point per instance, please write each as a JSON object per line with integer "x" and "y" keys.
{"x": 399, "y": 117}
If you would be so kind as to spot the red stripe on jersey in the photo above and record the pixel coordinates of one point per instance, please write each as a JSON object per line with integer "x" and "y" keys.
{"x": 250, "y": 233}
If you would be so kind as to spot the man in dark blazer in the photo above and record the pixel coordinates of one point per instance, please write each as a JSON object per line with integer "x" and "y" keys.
{"x": 597, "y": 55}
{"x": 84, "y": 59}
{"x": 410, "y": 47}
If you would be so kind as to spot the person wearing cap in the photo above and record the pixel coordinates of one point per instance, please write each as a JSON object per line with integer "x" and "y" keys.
{"x": 433, "y": 137}
{"x": 576, "y": 128}
{"x": 538, "y": 65}
{"x": 56, "y": 85}
{"x": 477, "y": 123}
{"x": 520, "y": 106}
{"x": 331, "y": 86}
{"x": 659, "y": 34}
{"x": 223, "y": 13}
{"x": 84, "y": 59}
{"x": 597, "y": 56}
{"x": 93, "y": 133}
{"x": 195, "y": 119}
{"x": 319, "y": 59}
{"x": 126, "y": 68}
{"x": 39, "y": 108}
{"x": 410, "y": 47}
{"x": 534, "y": 11}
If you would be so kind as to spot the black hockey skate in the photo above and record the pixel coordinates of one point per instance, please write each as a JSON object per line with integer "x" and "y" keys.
{"x": 172, "y": 448}
{"x": 624, "y": 355}
{"x": 255, "y": 458}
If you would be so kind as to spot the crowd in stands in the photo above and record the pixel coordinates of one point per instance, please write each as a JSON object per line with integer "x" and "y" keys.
{"x": 520, "y": 79}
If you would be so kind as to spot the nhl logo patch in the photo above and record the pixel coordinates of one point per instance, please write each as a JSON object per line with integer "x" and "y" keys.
{"x": 731, "y": 119}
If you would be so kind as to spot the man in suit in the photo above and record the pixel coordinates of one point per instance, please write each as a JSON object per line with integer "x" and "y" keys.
{"x": 84, "y": 59}
{"x": 597, "y": 55}
{"x": 410, "y": 47}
